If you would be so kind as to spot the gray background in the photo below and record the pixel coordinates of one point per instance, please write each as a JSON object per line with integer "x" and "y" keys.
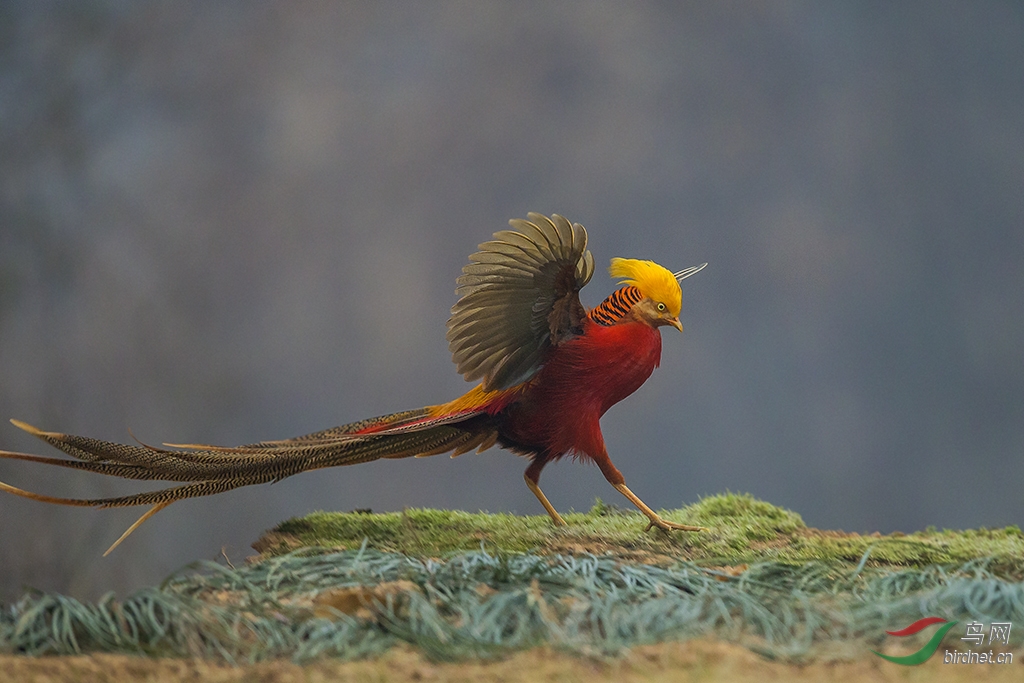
{"x": 239, "y": 222}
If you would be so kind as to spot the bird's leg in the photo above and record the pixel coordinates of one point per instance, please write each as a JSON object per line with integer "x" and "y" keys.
{"x": 552, "y": 512}
{"x": 532, "y": 476}
{"x": 656, "y": 519}
{"x": 618, "y": 482}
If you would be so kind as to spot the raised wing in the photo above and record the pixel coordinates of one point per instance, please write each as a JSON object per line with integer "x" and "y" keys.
{"x": 519, "y": 296}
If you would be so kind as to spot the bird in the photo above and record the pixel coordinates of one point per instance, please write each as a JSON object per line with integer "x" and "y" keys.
{"x": 546, "y": 370}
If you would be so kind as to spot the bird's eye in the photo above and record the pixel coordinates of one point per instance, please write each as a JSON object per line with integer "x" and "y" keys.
{"x": 661, "y": 307}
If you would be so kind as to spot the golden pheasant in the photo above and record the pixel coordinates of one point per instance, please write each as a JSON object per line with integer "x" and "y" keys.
{"x": 548, "y": 371}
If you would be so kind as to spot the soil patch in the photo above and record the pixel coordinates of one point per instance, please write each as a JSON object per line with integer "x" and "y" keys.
{"x": 695, "y": 660}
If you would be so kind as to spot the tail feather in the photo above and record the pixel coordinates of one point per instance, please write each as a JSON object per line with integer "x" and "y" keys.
{"x": 112, "y": 469}
{"x": 210, "y": 470}
{"x": 353, "y": 429}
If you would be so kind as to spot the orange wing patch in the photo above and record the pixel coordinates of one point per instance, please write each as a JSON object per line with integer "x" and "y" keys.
{"x": 479, "y": 400}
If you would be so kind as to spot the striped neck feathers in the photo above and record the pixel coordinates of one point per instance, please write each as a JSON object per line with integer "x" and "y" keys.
{"x": 616, "y": 307}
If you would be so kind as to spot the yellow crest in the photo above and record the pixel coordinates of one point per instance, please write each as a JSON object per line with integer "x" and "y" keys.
{"x": 653, "y": 281}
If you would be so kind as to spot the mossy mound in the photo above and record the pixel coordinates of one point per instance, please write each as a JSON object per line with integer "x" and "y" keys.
{"x": 741, "y": 530}
{"x": 468, "y": 586}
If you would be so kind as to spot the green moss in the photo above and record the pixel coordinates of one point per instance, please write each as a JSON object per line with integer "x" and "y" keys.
{"x": 740, "y": 530}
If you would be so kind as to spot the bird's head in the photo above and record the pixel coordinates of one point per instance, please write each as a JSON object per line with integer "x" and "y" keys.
{"x": 663, "y": 297}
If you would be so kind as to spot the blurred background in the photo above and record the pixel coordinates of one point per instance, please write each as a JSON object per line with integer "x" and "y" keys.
{"x": 230, "y": 222}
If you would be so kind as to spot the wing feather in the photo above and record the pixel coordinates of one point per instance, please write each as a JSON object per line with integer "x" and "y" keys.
{"x": 519, "y": 295}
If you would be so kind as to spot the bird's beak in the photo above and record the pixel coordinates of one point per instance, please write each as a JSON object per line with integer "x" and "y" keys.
{"x": 674, "y": 322}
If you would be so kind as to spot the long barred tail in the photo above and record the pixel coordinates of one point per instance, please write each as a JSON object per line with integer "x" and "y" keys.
{"x": 213, "y": 469}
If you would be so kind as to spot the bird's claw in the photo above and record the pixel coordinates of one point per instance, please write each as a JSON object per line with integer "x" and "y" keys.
{"x": 671, "y": 526}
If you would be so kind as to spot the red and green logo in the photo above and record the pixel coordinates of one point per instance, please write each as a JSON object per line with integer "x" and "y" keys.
{"x": 929, "y": 648}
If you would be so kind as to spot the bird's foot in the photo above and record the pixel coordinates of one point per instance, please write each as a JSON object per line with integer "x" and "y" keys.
{"x": 657, "y": 521}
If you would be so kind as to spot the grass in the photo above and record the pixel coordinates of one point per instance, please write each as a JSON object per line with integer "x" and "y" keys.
{"x": 464, "y": 586}
{"x": 741, "y": 530}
